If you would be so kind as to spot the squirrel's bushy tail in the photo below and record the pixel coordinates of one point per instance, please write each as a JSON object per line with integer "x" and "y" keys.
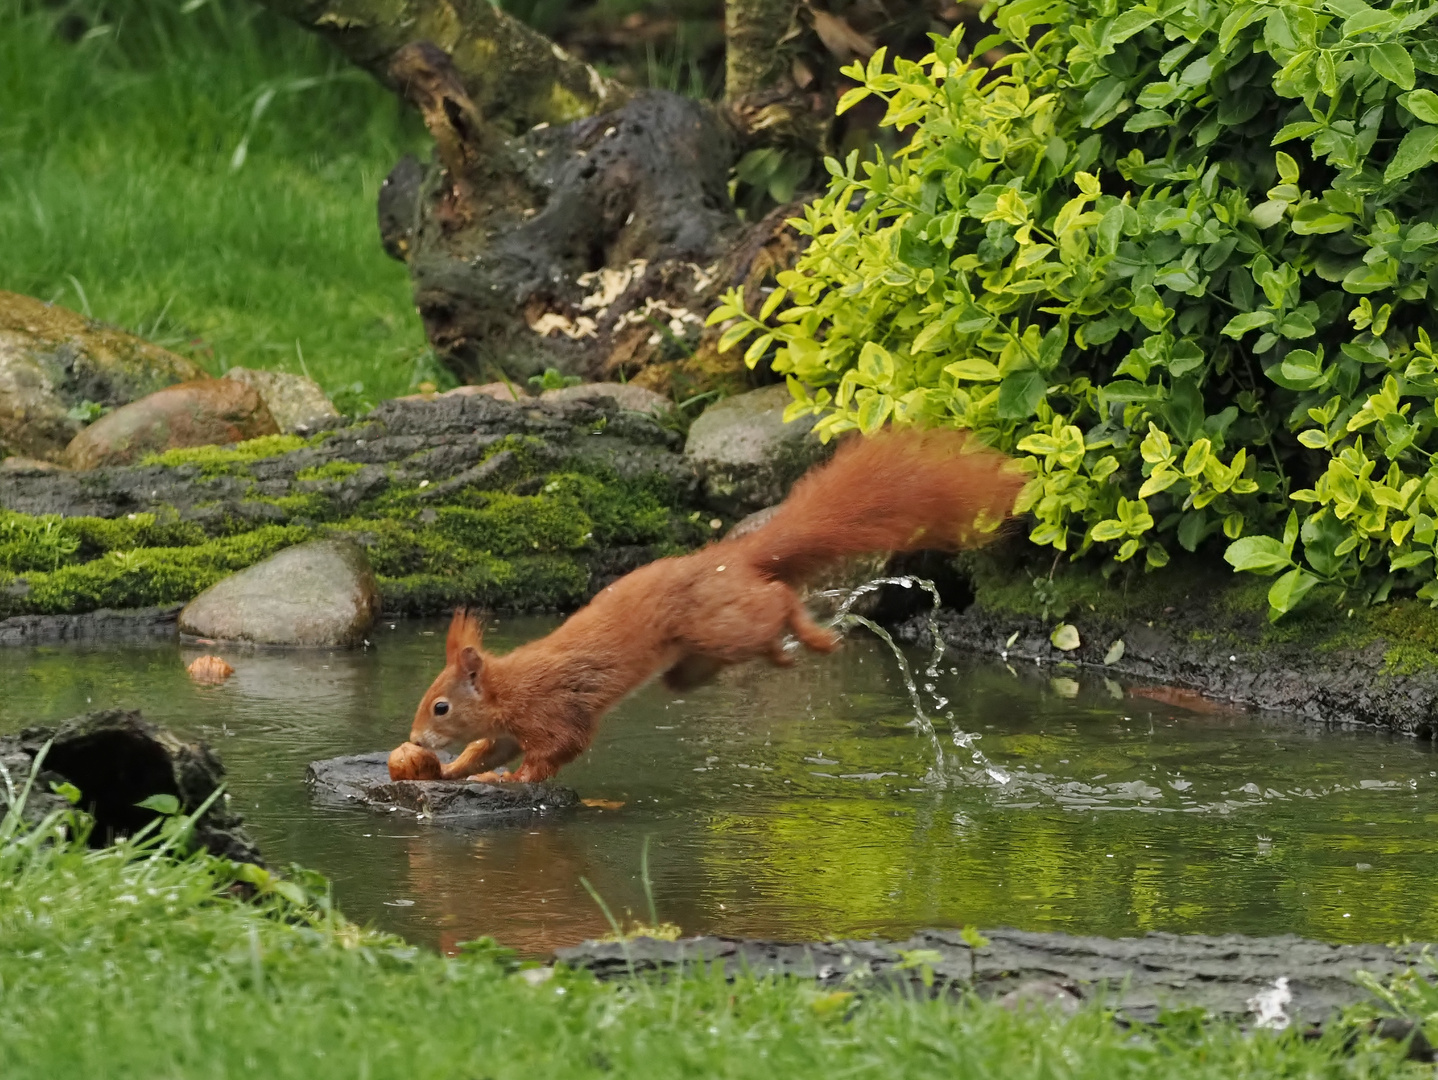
{"x": 899, "y": 490}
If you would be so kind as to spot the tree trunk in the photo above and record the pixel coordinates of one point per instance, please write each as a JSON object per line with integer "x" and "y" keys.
{"x": 567, "y": 222}
{"x": 753, "y": 60}
{"x": 514, "y": 76}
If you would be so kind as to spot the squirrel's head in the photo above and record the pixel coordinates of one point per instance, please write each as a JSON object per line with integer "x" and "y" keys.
{"x": 457, "y": 707}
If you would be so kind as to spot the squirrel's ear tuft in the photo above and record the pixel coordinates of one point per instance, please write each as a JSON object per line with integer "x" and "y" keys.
{"x": 470, "y": 662}
{"x": 465, "y": 631}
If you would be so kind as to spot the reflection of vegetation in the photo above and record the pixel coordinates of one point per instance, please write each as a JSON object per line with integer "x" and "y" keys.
{"x": 835, "y": 856}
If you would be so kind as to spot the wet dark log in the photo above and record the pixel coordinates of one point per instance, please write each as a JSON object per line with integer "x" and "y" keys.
{"x": 362, "y": 780}
{"x": 1229, "y": 976}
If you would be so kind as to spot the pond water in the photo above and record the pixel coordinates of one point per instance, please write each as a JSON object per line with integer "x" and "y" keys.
{"x": 800, "y": 804}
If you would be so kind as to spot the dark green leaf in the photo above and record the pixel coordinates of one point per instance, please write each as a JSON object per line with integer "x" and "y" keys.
{"x": 1101, "y": 102}
{"x": 1020, "y": 394}
{"x": 1415, "y": 151}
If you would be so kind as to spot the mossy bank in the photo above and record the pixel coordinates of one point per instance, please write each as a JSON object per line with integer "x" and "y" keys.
{"x": 1196, "y": 625}
{"x": 457, "y": 500}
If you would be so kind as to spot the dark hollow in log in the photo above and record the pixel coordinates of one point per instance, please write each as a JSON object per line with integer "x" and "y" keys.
{"x": 118, "y": 759}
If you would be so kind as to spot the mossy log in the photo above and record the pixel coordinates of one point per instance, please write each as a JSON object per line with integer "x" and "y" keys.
{"x": 460, "y": 499}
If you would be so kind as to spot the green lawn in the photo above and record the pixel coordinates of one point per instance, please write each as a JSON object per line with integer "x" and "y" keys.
{"x": 124, "y": 191}
{"x": 113, "y": 964}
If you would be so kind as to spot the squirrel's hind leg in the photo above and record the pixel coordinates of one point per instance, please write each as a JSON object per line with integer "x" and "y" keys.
{"x": 810, "y": 633}
{"x": 693, "y": 671}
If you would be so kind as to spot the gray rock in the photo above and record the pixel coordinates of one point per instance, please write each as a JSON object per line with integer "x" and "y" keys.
{"x": 296, "y": 402}
{"x": 625, "y": 395}
{"x": 746, "y": 453}
{"x": 318, "y": 594}
{"x": 363, "y": 779}
{"x": 1140, "y": 976}
{"x": 53, "y": 360}
{"x": 131, "y": 624}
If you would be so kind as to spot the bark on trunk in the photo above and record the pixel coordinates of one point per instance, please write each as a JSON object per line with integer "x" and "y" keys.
{"x": 753, "y": 30}
{"x": 515, "y": 76}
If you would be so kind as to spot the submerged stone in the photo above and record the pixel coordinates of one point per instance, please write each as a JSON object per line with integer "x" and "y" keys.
{"x": 363, "y": 779}
{"x": 746, "y": 453}
{"x": 321, "y": 594}
{"x": 205, "y": 412}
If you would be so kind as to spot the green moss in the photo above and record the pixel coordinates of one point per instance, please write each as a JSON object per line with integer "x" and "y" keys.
{"x": 230, "y": 460}
{"x": 335, "y": 470}
{"x": 523, "y": 540}
{"x": 1410, "y": 629}
{"x": 145, "y": 576}
{"x": 312, "y": 506}
{"x": 531, "y": 582}
{"x": 47, "y": 542}
{"x": 517, "y": 524}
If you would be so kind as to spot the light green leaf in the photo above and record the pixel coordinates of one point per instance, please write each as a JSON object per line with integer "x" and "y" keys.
{"x": 1423, "y": 104}
{"x": 735, "y": 334}
{"x": 974, "y": 368}
{"x": 873, "y": 411}
{"x": 1259, "y": 554}
{"x": 1288, "y": 590}
{"x": 1065, "y": 636}
{"x": 1239, "y": 325}
{"x": 1392, "y": 61}
{"x": 167, "y": 805}
{"x": 1115, "y": 652}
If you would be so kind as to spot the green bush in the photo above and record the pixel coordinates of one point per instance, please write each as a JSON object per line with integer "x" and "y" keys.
{"x": 1178, "y": 256}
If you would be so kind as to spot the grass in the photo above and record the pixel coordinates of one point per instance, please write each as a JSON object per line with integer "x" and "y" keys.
{"x": 205, "y": 174}
{"x": 120, "y": 962}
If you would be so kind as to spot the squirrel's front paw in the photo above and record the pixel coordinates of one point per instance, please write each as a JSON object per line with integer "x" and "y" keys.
{"x": 412, "y": 762}
{"x": 490, "y": 777}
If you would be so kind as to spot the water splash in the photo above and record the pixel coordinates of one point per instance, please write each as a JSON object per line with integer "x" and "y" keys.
{"x": 1022, "y": 786}
{"x": 844, "y": 618}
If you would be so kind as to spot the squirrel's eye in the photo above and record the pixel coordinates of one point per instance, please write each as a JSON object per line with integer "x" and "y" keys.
{"x": 441, "y": 707}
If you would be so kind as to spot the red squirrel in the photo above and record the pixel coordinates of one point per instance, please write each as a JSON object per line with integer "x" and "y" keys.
{"x": 691, "y": 615}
